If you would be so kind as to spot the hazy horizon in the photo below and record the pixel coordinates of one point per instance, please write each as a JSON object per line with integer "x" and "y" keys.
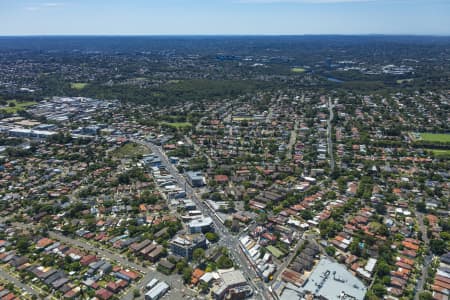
{"x": 224, "y": 17}
{"x": 227, "y": 35}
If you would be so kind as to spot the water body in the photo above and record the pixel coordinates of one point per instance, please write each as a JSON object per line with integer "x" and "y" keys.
{"x": 334, "y": 80}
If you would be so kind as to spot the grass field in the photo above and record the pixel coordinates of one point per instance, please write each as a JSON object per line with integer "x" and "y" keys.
{"x": 78, "y": 85}
{"x": 130, "y": 150}
{"x": 297, "y": 70}
{"x": 275, "y": 251}
{"x": 400, "y": 81}
{"x": 177, "y": 125}
{"x": 440, "y": 153}
{"x": 19, "y": 106}
{"x": 435, "y": 137}
{"x": 240, "y": 119}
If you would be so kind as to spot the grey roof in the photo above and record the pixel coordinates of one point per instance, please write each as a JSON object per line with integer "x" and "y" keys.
{"x": 194, "y": 175}
{"x": 330, "y": 279}
{"x": 158, "y": 290}
{"x": 205, "y": 221}
{"x": 233, "y": 278}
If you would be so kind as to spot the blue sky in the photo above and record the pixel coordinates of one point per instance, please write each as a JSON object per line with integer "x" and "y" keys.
{"x": 161, "y": 17}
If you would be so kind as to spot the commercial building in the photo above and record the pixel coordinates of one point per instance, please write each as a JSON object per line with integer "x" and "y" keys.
{"x": 29, "y": 133}
{"x": 230, "y": 283}
{"x": 184, "y": 245}
{"x": 202, "y": 225}
{"x": 239, "y": 292}
{"x": 152, "y": 160}
{"x": 333, "y": 281}
{"x": 195, "y": 179}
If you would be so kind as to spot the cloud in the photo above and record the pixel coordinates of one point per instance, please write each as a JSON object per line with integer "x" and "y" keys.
{"x": 52, "y": 4}
{"x": 44, "y": 5}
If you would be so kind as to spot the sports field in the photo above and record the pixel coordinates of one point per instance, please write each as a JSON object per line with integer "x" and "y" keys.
{"x": 435, "y": 137}
{"x": 177, "y": 125}
{"x": 297, "y": 70}
{"x": 440, "y": 152}
{"x": 14, "y": 106}
{"x": 78, "y": 85}
{"x": 130, "y": 150}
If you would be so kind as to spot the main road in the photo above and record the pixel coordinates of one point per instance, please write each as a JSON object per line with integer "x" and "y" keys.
{"x": 329, "y": 134}
{"x": 227, "y": 239}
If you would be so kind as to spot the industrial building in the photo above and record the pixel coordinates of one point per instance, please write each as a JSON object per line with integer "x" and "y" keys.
{"x": 157, "y": 291}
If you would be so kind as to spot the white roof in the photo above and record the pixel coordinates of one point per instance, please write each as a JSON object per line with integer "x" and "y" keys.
{"x": 207, "y": 277}
{"x": 370, "y": 265}
{"x": 207, "y": 221}
{"x": 160, "y": 288}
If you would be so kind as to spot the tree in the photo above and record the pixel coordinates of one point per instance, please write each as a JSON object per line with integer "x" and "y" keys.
{"x": 354, "y": 247}
{"x": 198, "y": 255}
{"x": 425, "y": 296}
{"x": 212, "y": 237}
{"x": 22, "y": 245}
{"x": 380, "y": 208}
{"x": 421, "y": 207}
{"x": 261, "y": 218}
{"x": 329, "y": 228}
{"x": 306, "y": 214}
{"x": 204, "y": 287}
{"x": 136, "y": 293}
{"x": 445, "y": 235}
{"x": 224, "y": 262}
{"x": 180, "y": 266}
{"x": 383, "y": 268}
{"x": 228, "y": 223}
{"x": 378, "y": 289}
{"x": 330, "y": 250}
{"x": 438, "y": 247}
{"x": 148, "y": 197}
{"x": 187, "y": 272}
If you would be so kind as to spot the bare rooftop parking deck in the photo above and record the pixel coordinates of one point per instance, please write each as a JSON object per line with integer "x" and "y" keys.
{"x": 331, "y": 280}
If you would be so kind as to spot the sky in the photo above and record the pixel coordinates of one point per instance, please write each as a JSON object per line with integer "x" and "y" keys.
{"x": 224, "y": 17}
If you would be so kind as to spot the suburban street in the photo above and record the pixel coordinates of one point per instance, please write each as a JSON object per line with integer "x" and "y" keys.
{"x": 288, "y": 260}
{"x": 149, "y": 272}
{"x": 197, "y": 148}
{"x": 292, "y": 140}
{"x": 174, "y": 281}
{"x": 293, "y": 137}
{"x": 5, "y": 275}
{"x": 427, "y": 260}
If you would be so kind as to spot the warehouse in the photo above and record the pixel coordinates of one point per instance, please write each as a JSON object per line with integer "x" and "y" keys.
{"x": 157, "y": 291}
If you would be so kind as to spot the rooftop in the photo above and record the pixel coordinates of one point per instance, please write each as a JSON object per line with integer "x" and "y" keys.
{"x": 206, "y": 221}
{"x": 187, "y": 240}
{"x": 233, "y": 278}
{"x": 330, "y": 280}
